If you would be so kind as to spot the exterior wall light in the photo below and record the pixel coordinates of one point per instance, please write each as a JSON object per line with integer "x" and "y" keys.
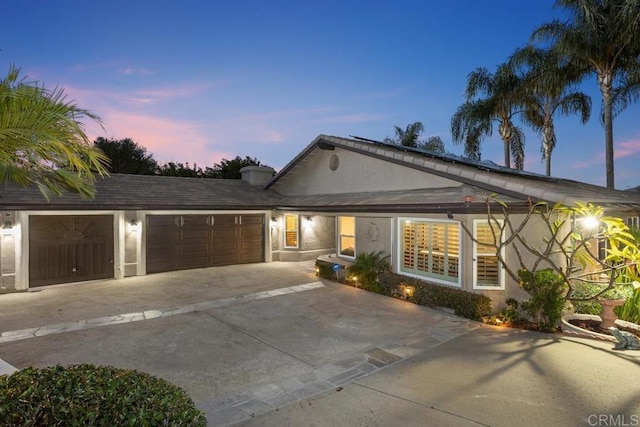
{"x": 7, "y": 228}
{"x": 274, "y": 223}
{"x": 133, "y": 225}
{"x": 308, "y": 221}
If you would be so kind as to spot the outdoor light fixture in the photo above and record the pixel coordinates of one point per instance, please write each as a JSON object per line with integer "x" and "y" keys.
{"x": 134, "y": 225}
{"x": 274, "y": 222}
{"x": 308, "y": 221}
{"x": 7, "y": 228}
{"x": 590, "y": 222}
{"x": 449, "y": 214}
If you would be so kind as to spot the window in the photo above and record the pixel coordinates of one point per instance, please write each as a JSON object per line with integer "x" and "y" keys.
{"x": 487, "y": 271}
{"x": 291, "y": 231}
{"x": 633, "y": 222}
{"x": 347, "y": 236}
{"x": 431, "y": 248}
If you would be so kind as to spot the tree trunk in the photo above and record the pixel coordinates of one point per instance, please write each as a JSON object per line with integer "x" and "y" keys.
{"x": 548, "y": 138}
{"x": 505, "y": 134}
{"x": 606, "y": 88}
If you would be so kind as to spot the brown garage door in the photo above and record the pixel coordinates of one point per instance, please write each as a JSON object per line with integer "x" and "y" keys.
{"x": 66, "y": 248}
{"x": 180, "y": 242}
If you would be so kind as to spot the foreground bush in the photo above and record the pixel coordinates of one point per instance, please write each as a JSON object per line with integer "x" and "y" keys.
{"x": 547, "y": 289}
{"x": 93, "y": 395}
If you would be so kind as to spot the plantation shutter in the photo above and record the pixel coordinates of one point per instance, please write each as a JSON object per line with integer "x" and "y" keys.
{"x": 408, "y": 244}
{"x": 487, "y": 269}
{"x": 291, "y": 231}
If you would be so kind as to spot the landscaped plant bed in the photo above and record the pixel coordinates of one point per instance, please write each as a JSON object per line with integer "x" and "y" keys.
{"x": 578, "y": 325}
{"x": 623, "y": 325}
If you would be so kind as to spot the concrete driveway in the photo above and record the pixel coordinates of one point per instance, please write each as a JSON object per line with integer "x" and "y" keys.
{"x": 270, "y": 344}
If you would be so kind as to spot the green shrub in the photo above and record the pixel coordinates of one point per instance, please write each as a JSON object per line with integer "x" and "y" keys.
{"x": 585, "y": 290}
{"x": 465, "y": 304}
{"x": 324, "y": 269}
{"x": 630, "y": 310}
{"x": 85, "y": 394}
{"x": 547, "y": 290}
{"x": 367, "y": 267}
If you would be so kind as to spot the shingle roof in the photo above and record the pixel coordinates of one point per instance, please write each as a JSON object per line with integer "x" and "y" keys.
{"x": 120, "y": 191}
{"x": 488, "y": 177}
{"x": 422, "y": 200}
{"x": 129, "y": 192}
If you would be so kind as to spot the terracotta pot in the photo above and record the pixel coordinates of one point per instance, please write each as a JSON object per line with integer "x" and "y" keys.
{"x": 608, "y": 315}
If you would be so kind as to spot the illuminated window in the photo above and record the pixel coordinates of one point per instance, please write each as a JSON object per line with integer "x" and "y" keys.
{"x": 347, "y": 236}
{"x": 290, "y": 231}
{"x": 487, "y": 270}
{"x": 431, "y": 248}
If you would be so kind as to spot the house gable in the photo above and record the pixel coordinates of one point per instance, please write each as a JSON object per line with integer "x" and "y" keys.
{"x": 342, "y": 171}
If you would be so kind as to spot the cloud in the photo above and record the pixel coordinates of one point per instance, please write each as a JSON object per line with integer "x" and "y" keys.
{"x": 621, "y": 150}
{"x": 627, "y": 148}
{"x": 167, "y": 139}
{"x": 137, "y": 71}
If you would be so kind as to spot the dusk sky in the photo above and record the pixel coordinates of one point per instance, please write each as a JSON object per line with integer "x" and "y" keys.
{"x": 198, "y": 81}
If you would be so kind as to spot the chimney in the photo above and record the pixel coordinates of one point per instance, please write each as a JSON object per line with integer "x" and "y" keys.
{"x": 257, "y": 175}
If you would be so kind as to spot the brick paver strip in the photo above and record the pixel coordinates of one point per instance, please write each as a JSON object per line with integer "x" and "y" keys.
{"x": 9, "y": 336}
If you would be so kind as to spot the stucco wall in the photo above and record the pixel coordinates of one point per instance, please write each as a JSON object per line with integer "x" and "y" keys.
{"x": 373, "y": 234}
{"x": 316, "y": 236}
{"x": 355, "y": 173}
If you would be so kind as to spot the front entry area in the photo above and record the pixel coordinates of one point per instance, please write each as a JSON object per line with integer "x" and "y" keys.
{"x": 181, "y": 242}
{"x": 70, "y": 248}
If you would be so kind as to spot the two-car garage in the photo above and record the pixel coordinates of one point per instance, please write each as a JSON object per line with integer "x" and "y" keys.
{"x": 180, "y": 242}
{"x": 73, "y": 248}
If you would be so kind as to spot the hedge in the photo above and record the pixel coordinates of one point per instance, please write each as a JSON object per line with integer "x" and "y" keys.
{"x": 465, "y": 304}
{"x": 85, "y": 394}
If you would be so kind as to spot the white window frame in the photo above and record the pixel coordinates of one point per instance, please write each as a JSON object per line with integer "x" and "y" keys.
{"x": 501, "y": 270}
{"x": 426, "y": 277}
{"x": 340, "y": 254}
{"x": 297, "y": 231}
{"x": 633, "y": 221}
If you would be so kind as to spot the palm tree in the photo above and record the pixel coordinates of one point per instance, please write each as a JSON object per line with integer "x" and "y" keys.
{"x": 491, "y": 98}
{"x": 550, "y": 81}
{"x": 410, "y": 137}
{"x": 601, "y": 37}
{"x": 434, "y": 143}
{"x": 407, "y": 137}
{"x": 42, "y": 140}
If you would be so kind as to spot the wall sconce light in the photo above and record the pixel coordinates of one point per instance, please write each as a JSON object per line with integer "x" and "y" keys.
{"x": 308, "y": 221}
{"x": 7, "y": 228}
{"x": 449, "y": 214}
{"x": 274, "y": 222}
{"x": 133, "y": 225}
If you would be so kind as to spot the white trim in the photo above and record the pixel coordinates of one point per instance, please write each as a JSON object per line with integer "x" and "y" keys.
{"x": 501, "y": 276}
{"x": 456, "y": 284}
{"x": 21, "y": 231}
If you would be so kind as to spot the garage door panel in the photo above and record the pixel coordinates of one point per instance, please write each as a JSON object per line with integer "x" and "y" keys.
{"x": 70, "y": 248}
{"x": 203, "y": 241}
